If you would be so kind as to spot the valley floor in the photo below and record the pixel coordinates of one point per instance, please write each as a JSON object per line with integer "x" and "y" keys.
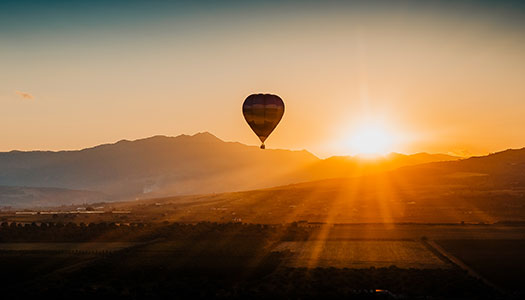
{"x": 233, "y": 260}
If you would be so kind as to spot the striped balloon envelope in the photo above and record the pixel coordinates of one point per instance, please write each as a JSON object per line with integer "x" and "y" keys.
{"x": 263, "y": 112}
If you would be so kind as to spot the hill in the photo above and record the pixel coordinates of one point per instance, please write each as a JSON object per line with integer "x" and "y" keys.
{"x": 352, "y": 166}
{"x": 505, "y": 170}
{"x": 164, "y": 166}
{"x": 476, "y": 190}
{"x": 184, "y": 164}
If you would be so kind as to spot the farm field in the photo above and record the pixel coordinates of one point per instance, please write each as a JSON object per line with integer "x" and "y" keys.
{"x": 204, "y": 260}
{"x": 501, "y": 261}
{"x": 360, "y": 254}
{"x": 21, "y": 269}
{"x": 59, "y": 247}
{"x": 416, "y": 231}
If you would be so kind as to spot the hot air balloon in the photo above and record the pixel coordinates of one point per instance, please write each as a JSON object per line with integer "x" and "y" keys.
{"x": 263, "y": 112}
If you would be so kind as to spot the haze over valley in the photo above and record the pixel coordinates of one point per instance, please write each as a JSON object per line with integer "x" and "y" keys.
{"x": 167, "y": 166}
{"x": 202, "y": 178}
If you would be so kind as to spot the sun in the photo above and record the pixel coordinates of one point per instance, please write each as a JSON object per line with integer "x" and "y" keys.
{"x": 371, "y": 140}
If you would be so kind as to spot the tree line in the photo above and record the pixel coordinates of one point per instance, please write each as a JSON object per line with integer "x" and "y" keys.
{"x": 104, "y": 231}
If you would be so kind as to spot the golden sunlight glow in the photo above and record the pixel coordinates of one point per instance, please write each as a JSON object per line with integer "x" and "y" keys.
{"x": 371, "y": 140}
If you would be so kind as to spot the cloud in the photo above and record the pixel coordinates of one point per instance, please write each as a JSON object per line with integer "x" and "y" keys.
{"x": 24, "y": 95}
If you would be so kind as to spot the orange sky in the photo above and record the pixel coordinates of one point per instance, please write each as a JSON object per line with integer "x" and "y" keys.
{"x": 436, "y": 81}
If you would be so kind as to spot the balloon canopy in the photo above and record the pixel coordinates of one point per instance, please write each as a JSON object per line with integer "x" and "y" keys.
{"x": 263, "y": 112}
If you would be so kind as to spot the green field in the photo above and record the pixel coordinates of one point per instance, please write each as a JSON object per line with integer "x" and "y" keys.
{"x": 360, "y": 254}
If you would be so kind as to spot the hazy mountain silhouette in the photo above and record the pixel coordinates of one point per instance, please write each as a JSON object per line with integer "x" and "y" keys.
{"x": 479, "y": 189}
{"x": 184, "y": 164}
{"x": 164, "y": 166}
{"x": 503, "y": 170}
{"x": 351, "y": 166}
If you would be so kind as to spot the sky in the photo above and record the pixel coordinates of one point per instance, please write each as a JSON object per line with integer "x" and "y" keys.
{"x": 420, "y": 76}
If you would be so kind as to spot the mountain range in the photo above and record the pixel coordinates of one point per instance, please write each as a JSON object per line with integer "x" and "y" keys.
{"x": 164, "y": 166}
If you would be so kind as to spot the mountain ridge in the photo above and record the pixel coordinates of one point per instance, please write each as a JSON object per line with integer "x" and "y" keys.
{"x": 169, "y": 165}
{"x": 185, "y": 164}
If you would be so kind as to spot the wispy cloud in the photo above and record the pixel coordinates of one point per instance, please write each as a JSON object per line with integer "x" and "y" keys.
{"x": 24, "y": 95}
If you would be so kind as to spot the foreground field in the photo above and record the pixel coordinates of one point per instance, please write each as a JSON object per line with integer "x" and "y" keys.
{"x": 360, "y": 254}
{"x": 66, "y": 247}
{"x": 417, "y": 231}
{"x": 234, "y": 260}
{"x": 500, "y": 261}
{"x": 136, "y": 275}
